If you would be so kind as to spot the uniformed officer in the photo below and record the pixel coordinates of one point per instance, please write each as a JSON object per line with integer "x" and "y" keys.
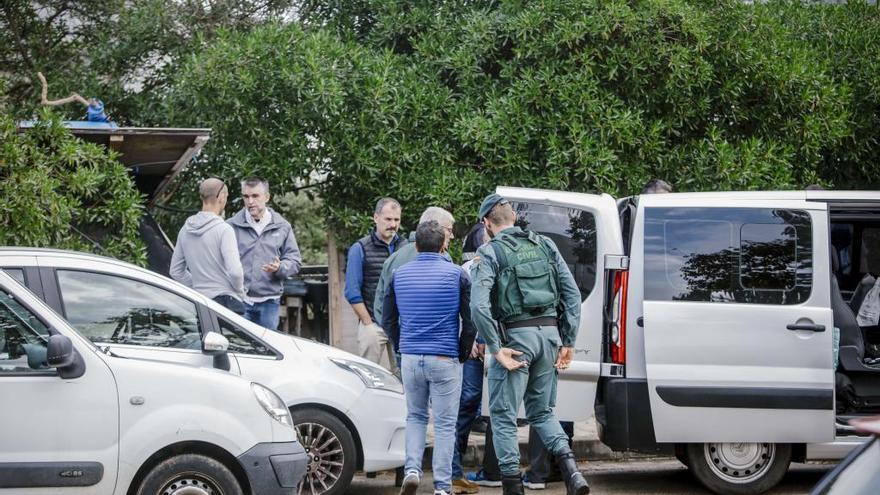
{"x": 526, "y": 306}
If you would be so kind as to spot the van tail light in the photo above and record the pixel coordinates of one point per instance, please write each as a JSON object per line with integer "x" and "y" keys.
{"x": 617, "y": 335}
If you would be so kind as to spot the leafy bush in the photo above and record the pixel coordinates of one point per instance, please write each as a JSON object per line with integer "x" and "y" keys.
{"x": 61, "y": 192}
{"x": 437, "y": 103}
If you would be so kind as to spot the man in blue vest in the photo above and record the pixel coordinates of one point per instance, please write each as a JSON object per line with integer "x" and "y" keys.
{"x": 526, "y": 306}
{"x": 422, "y": 307}
{"x": 365, "y": 260}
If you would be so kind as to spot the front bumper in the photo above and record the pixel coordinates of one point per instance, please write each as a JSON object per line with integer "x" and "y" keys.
{"x": 274, "y": 468}
{"x": 380, "y": 419}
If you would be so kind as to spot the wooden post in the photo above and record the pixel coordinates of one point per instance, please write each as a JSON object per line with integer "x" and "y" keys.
{"x": 334, "y": 280}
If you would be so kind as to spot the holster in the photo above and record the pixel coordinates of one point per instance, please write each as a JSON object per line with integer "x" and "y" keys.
{"x": 502, "y": 333}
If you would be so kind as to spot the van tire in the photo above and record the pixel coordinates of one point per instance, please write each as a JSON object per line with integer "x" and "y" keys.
{"x": 314, "y": 428}
{"x": 180, "y": 471}
{"x": 739, "y": 468}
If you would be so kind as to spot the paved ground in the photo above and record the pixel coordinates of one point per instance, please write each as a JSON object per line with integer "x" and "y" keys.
{"x": 585, "y": 443}
{"x": 643, "y": 477}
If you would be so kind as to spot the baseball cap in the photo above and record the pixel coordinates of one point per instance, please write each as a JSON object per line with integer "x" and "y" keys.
{"x": 489, "y": 203}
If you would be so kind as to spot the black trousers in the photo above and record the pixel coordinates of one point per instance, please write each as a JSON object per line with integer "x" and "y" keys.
{"x": 490, "y": 460}
{"x": 542, "y": 463}
{"x": 231, "y": 303}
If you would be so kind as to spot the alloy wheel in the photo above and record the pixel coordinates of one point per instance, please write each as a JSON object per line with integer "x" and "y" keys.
{"x": 326, "y": 458}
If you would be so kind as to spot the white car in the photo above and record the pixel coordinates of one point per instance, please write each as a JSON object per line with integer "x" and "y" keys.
{"x": 708, "y": 321}
{"x": 77, "y": 419}
{"x": 349, "y": 412}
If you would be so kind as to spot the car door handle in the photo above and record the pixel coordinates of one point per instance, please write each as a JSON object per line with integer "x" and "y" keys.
{"x": 813, "y": 327}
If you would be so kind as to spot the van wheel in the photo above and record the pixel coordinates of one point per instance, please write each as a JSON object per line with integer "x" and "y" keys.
{"x": 189, "y": 473}
{"x": 739, "y": 468}
{"x": 330, "y": 449}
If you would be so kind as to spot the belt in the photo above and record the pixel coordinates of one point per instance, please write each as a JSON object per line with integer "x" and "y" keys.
{"x": 543, "y": 321}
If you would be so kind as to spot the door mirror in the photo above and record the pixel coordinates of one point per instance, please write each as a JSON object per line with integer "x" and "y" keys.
{"x": 218, "y": 346}
{"x": 61, "y": 354}
{"x": 214, "y": 344}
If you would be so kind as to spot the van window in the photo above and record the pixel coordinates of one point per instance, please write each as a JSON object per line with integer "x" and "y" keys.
{"x": 23, "y": 338}
{"x": 738, "y": 255}
{"x": 574, "y": 233}
{"x": 116, "y": 310}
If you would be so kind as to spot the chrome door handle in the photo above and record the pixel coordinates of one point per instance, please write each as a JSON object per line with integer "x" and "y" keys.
{"x": 812, "y": 327}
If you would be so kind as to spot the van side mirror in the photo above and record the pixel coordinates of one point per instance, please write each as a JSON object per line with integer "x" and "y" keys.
{"x": 61, "y": 355}
{"x": 217, "y": 345}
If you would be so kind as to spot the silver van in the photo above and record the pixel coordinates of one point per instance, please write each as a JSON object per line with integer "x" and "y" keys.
{"x": 710, "y": 321}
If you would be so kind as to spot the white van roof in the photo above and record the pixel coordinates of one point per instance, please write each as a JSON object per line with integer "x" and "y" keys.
{"x": 821, "y": 196}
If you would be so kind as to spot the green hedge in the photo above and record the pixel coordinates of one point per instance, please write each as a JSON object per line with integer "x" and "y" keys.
{"x": 61, "y": 192}
{"x": 437, "y": 103}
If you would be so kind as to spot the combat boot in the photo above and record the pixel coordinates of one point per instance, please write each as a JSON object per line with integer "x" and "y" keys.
{"x": 512, "y": 485}
{"x": 575, "y": 483}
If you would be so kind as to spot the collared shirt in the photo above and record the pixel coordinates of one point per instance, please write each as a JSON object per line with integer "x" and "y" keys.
{"x": 260, "y": 226}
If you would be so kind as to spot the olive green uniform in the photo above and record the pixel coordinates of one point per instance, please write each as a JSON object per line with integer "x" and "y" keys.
{"x": 534, "y": 384}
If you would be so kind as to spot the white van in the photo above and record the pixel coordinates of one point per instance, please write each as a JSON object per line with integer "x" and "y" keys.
{"x": 76, "y": 419}
{"x": 707, "y": 323}
{"x": 350, "y": 413}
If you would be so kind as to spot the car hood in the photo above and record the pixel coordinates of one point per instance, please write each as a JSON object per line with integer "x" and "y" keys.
{"x": 285, "y": 343}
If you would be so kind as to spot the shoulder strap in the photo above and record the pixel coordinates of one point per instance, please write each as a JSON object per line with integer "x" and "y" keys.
{"x": 544, "y": 242}
{"x": 499, "y": 254}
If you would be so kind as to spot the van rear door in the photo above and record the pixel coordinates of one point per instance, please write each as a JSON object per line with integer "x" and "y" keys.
{"x": 737, "y": 317}
{"x": 585, "y": 228}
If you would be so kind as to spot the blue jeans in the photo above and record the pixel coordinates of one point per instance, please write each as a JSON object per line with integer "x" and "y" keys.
{"x": 434, "y": 381}
{"x": 468, "y": 409}
{"x": 264, "y": 313}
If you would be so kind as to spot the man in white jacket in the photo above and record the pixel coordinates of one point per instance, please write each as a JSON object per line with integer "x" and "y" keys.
{"x": 206, "y": 254}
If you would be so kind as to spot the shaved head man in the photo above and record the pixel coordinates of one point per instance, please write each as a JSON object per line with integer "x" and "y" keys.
{"x": 206, "y": 254}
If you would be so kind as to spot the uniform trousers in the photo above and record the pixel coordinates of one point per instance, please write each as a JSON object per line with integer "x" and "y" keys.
{"x": 535, "y": 386}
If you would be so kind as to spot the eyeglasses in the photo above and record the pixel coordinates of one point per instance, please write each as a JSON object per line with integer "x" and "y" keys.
{"x": 221, "y": 190}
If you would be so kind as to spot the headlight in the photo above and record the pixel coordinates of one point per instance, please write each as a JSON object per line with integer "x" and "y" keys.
{"x": 272, "y": 404}
{"x": 372, "y": 376}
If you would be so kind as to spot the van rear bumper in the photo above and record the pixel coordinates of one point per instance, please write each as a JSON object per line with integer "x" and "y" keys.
{"x": 623, "y": 415}
{"x": 274, "y": 468}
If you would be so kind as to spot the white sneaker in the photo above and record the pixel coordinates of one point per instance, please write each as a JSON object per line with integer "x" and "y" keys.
{"x": 441, "y": 492}
{"x": 410, "y": 483}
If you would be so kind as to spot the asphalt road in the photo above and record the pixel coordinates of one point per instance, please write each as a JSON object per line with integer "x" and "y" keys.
{"x": 622, "y": 478}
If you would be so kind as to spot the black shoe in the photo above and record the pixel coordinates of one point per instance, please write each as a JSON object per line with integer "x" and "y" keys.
{"x": 575, "y": 483}
{"x": 512, "y": 485}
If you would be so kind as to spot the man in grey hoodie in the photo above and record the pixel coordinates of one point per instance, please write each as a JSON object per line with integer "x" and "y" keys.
{"x": 206, "y": 254}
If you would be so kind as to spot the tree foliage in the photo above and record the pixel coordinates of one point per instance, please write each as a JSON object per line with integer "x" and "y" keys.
{"x": 122, "y": 51}
{"x": 59, "y": 191}
{"x": 436, "y": 103}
